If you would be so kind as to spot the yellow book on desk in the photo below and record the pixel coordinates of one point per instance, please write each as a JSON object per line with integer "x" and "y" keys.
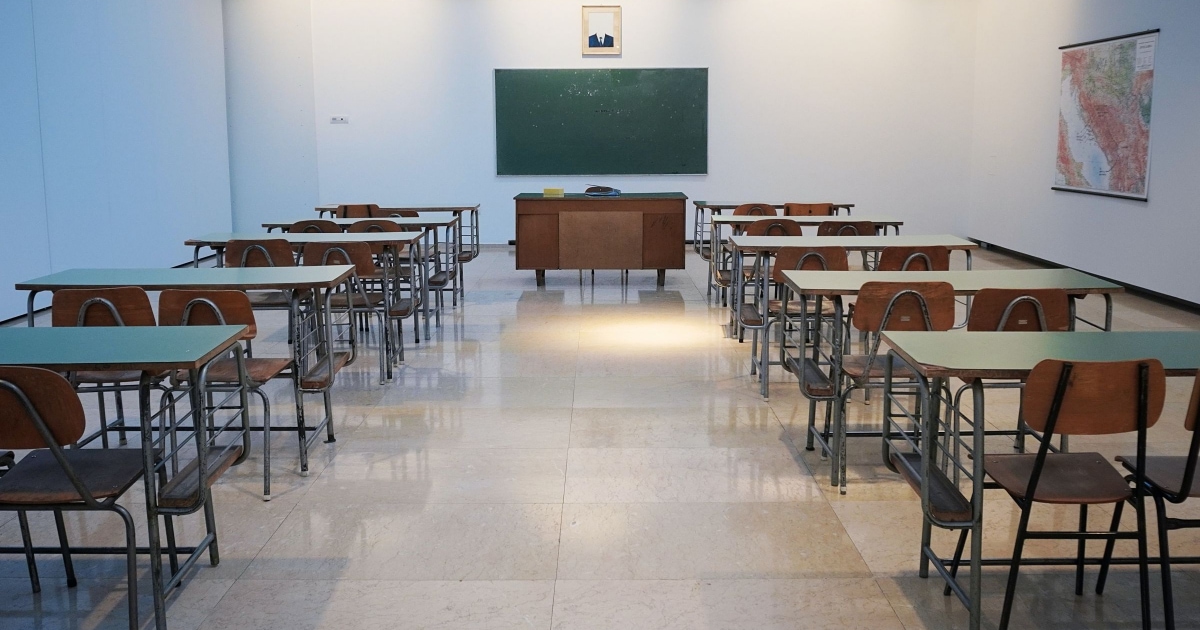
{"x": 554, "y": 192}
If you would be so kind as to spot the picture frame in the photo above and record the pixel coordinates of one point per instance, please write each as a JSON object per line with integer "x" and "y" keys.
{"x": 601, "y": 31}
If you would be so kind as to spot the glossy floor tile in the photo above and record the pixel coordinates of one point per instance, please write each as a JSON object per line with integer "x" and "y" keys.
{"x": 585, "y": 456}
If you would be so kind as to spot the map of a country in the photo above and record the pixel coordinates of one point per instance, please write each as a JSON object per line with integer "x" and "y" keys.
{"x": 1104, "y": 118}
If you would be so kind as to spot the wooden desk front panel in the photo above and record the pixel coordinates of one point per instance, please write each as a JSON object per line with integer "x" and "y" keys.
{"x": 603, "y": 233}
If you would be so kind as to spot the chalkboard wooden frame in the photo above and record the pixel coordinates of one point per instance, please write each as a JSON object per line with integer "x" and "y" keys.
{"x": 621, "y": 121}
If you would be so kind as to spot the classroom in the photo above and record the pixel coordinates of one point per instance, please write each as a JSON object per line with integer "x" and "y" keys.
{"x": 703, "y": 314}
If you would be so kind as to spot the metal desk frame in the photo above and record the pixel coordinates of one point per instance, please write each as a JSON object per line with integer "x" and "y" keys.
{"x": 108, "y": 348}
{"x": 1178, "y": 351}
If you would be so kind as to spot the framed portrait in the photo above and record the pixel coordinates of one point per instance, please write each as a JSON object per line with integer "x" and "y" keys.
{"x": 601, "y": 30}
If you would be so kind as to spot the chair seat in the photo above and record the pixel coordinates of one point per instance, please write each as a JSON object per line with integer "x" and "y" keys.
{"x": 1068, "y": 478}
{"x": 100, "y": 377}
{"x": 466, "y": 256}
{"x": 946, "y": 501}
{"x": 855, "y": 366}
{"x": 355, "y": 300}
{"x": 1164, "y": 471}
{"x": 706, "y": 253}
{"x": 38, "y": 479}
{"x": 269, "y": 299}
{"x": 441, "y": 278}
{"x": 258, "y": 369}
{"x": 183, "y": 490}
{"x": 774, "y": 306}
{"x": 403, "y": 308}
{"x": 319, "y": 376}
{"x": 749, "y": 316}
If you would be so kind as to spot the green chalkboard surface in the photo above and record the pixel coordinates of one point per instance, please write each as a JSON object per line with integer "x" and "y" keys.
{"x": 647, "y": 121}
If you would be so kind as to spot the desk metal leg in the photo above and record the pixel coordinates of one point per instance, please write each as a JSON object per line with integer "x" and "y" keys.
{"x": 29, "y": 309}
{"x": 149, "y": 481}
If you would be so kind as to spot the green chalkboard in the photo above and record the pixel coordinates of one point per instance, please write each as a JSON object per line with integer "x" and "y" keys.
{"x": 646, "y": 121}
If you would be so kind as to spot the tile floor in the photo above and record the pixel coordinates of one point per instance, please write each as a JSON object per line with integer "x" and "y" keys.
{"x": 583, "y": 456}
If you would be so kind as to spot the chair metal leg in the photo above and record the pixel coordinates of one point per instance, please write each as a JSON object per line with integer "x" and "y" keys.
{"x": 27, "y": 541}
{"x": 266, "y": 403}
{"x": 1164, "y": 555}
{"x": 958, "y": 551}
{"x": 1102, "y": 577}
{"x": 1081, "y": 550}
{"x": 328, "y": 398}
{"x": 68, "y": 565}
{"x": 130, "y": 564}
{"x": 1018, "y": 547}
{"x": 124, "y": 439}
{"x": 1139, "y": 505}
{"x": 210, "y": 524}
{"x": 103, "y": 419}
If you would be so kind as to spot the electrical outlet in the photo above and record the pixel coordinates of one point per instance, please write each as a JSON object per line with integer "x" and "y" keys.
{"x": 339, "y": 120}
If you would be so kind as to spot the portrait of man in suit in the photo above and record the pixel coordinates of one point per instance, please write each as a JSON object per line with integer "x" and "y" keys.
{"x": 602, "y": 30}
{"x": 600, "y": 27}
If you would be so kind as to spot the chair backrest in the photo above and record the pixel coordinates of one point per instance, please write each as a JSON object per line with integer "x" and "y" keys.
{"x": 809, "y": 259}
{"x": 349, "y": 253}
{"x": 116, "y": 306}
{"x": 315, "y": 225}
{"x": 178, "y": 307}
{"x": 396, "y": 212}
{"x": 265, "y": 252}
{"x": 356, "y": 210}
{"x": 50, "y": 396}
{"x": 755, "y": 210}
{"x": 846, "y": 228}
{"x": 1025, "y": 310}
{"x": 773, "y": 227}
{"x": 1100, "y": 398}
{"x": 903, "y": 306}
{"x": 807, "y": 209}
{"x": 373, "y": 225}
{"x": 935, "y": 258}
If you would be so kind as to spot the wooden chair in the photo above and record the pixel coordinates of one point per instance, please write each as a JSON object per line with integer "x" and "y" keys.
{"x": 815, "y": 385}
{"x": 39, "y": 410}
{"x": 213, "y": 308}
{"x": 356, "y": 210}
{"x": 1013, "y": 310}
{"x": 1082, "y": 398}
{"x": 846, "y": 228}
{"x": 315, "y": 225}
{"x": 356, "y": 300}
{"x": 265, "y": 252}
{"x": 118, "y": 306}
{"x": 807, "y": 209}
{"x": 396, "y": 212}
{"x": 774, "y": 227}
{"x": 933, "y": 258}
{"x": 755, "y": 210}
{"x": 1169, "y": 479}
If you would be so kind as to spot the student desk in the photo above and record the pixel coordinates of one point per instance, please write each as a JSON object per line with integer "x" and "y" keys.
{"x": 151, "y": 350}
{"x": 395, "y": 241}
{"x": 937, "y": 356}
{"x": 468, "y": 227}
{"x": 833, "y": 285}
{"x": 702, "y": 226}
{"x": 451, "y": 257}
{"x": 741, "y": 245}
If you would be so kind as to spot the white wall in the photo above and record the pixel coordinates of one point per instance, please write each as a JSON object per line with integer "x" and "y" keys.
{"x": 1147, "y": 244}
{"x": 120, "y": 125}
{"x": 24, "y": 241}
{"x": 856, "y": 101}
{"x": 269, "y": 82}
